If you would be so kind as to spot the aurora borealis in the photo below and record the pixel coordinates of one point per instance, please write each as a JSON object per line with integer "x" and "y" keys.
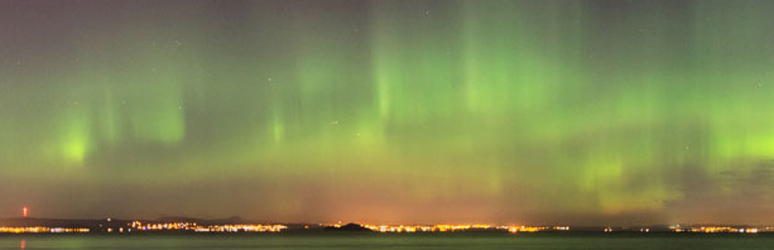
{"x": 584, "y": 112}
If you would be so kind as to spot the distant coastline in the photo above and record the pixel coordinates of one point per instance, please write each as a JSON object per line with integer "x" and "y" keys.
{"x": 239, "y": 225}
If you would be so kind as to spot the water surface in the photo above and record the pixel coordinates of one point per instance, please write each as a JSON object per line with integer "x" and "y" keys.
{"x": 378, "y": 241}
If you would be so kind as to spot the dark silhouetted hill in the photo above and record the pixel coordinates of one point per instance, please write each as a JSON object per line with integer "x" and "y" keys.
{"x": 351, "y": 227}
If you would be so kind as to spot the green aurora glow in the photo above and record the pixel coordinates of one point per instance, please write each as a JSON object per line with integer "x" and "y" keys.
{"x": 582, "y": 112}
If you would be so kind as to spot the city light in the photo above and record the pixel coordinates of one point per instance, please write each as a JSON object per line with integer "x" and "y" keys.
{"x": 442, "y": 228}
{"x": 527, "y": 229}
{"x": 188, "y": 226}
{"x": 56, "y": 230}
{"x": 717, "y": 229}
{"x": 162, "y": 226}
{"x": 241, "y": 228}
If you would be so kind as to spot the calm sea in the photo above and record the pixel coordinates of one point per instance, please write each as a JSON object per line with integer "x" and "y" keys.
{"x": 371, "y": 241}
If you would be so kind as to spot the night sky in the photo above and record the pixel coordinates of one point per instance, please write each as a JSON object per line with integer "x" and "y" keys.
{"x": 568, "y": 112}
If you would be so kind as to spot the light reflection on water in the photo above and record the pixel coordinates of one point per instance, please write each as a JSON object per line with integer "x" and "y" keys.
{"x": 292, "y": 242}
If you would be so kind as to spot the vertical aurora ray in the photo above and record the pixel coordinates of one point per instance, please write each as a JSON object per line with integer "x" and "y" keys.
{"x": 732, "y": 69}
{"x": 415, "y": 72}
{"x": 76, "y": 133}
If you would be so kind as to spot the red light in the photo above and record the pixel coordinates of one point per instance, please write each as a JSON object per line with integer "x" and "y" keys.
{"x": 24, "y": 212}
